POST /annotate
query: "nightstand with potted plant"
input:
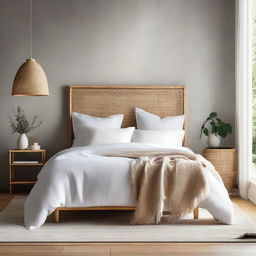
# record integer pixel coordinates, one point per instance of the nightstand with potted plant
(223, 159)
(24, 156)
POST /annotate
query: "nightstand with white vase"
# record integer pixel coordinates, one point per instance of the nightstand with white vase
(15, 161)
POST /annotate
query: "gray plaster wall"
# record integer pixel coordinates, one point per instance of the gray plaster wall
(118, 42)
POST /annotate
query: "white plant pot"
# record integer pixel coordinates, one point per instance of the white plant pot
(213, 140)
(22, 142)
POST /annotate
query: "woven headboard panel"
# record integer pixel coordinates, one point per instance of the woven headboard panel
(103, 101)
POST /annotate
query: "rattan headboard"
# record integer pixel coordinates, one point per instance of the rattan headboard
(103, 101)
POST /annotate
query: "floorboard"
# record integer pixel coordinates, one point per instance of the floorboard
(127, 249)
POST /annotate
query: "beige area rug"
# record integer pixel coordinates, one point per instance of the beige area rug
(112, 226)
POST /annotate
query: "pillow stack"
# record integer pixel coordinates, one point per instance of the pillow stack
(152, 129)
(90, 130)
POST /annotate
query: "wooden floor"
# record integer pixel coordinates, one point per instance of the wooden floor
(129, 249)
(125, 249)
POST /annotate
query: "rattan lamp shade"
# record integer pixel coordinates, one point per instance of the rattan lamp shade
(30, 80)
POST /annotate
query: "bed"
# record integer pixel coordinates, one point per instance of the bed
(102, 101)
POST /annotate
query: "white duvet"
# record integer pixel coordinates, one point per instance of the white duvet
(81, 177)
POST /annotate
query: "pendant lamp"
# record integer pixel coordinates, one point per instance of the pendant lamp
(30, 79)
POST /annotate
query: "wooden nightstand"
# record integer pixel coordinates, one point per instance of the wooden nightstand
(26, 163)
(225, 162)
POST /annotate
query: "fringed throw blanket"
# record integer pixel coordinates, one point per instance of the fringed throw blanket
(176, 180)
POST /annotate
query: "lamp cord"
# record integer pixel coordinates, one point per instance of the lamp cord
(30, 26)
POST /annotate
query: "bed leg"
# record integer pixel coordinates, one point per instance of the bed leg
(196, 213)
(57, 216)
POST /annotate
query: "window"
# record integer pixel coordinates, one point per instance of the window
(253, 58)
(245, 88)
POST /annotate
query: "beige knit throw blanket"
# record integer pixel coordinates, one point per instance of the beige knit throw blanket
(174, 179)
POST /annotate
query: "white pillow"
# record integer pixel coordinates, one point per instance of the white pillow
(105, 136)
(169, 138)
(80, 121)
(148, 121)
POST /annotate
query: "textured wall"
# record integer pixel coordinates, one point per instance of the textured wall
(116, 42)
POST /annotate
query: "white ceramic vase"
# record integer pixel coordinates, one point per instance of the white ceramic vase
(22, 142)
(213, 140)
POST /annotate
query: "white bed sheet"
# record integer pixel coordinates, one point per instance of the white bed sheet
(81, 177)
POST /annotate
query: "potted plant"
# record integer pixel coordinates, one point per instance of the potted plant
(22, 125)
(218, 130)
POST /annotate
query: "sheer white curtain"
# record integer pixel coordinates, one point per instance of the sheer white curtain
(243, 94)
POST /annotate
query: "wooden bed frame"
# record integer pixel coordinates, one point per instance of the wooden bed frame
(103, 101)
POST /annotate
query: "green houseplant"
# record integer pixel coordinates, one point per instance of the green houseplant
(22, 125)
(218, 129)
